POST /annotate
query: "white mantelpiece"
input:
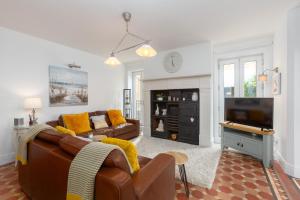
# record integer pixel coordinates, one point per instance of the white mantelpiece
(202, 82)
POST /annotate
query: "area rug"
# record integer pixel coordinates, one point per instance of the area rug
(202, 162)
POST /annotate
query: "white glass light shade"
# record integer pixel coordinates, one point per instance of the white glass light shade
(263, 77)
(112, 60)
(146, 51)
(31, 103)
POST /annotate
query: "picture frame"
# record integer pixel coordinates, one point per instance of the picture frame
(67, 87)
(276, 84)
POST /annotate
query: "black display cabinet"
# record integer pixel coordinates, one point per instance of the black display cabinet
(178, 111)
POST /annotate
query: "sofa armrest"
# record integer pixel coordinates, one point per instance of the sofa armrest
(133, 121)
(53, 123)
(113, 183)
(156, 180)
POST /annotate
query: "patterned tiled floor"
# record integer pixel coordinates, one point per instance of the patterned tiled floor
(238, 177)
(296, 182)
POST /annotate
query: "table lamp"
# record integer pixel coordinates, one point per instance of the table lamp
(33, 103)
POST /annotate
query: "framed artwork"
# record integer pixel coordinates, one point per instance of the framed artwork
(276, 84)
(67, 87)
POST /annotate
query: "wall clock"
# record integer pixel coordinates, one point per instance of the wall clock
(173, 62)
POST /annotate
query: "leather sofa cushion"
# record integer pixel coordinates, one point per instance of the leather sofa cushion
(104, 131)
(50, 136)
(73, 145)
(143, 161)
(124, 129)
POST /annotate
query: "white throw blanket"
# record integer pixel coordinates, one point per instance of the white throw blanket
(21, 154)
(84, 167)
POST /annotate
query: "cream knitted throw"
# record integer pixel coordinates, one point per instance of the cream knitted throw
(21, 154)
(84, 167)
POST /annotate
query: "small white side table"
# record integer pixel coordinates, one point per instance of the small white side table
(19, 130)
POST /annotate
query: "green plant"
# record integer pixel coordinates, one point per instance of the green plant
(250, 87)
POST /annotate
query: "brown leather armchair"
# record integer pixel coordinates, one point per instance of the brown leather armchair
(50, 155)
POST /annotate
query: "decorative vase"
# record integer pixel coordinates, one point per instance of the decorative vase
(164, 112)
(195, 96)
(157, 110)
(160, 127)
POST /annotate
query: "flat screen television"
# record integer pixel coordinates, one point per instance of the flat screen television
(256, 112)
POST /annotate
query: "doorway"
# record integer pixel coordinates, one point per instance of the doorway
(137, 97)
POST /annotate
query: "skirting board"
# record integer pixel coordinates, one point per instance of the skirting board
(290, 169)
(7, 158)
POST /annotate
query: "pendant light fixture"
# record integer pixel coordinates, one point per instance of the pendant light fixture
(144, 48)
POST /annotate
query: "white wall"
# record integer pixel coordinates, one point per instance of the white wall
(196, 61)
(24, 62)
(287, 107)
(194, 73)
(235, 49)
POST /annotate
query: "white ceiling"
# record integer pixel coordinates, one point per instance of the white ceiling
(96, 25)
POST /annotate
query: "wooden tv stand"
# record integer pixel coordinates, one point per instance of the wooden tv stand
(249, 140)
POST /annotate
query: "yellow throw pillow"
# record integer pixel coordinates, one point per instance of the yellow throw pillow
(79, 123)
(64, 130)
(129, 149)
(116, 118)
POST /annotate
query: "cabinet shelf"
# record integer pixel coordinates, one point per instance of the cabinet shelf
(178, 115)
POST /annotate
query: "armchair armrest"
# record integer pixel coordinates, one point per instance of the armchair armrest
(156, 180)
(113, 183)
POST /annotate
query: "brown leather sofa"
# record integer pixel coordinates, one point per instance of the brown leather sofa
(50, 155)
(126, 132)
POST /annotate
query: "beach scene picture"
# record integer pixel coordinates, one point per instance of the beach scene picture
(67, 87)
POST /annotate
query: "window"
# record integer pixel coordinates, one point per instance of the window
(250, 80)
(229, 80)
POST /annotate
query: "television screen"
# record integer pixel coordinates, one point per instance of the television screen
(256, 112)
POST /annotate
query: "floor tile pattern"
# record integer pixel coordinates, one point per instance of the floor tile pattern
(276, 185)
(296, 182)
(238, 177)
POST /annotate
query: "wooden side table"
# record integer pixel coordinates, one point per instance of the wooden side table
(180, 160)
(19, 130)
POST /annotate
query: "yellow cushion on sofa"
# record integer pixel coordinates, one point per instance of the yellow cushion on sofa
(79, 123)
(129, 150)
(64, 130)
(116, 118)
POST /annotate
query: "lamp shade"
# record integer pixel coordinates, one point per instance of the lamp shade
(146, 51)
(31, 103)
(112, 60)
(262, 77)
